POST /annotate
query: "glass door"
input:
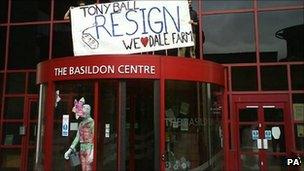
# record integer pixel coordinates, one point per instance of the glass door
(127, 125)
(19, 134)
(261, 142)
(141, 136)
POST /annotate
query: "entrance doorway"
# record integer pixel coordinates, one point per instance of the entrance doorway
(261, 124)
(19, 133)
(129, 137)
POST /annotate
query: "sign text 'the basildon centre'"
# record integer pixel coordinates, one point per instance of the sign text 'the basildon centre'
(130, 27)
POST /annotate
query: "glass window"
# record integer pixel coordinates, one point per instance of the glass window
(2, 47)
(10, 109)
(30, 10)
(226, 5)
(297, 77)
(298, 115)
(229, 38)
(281, 36)
(11, 160)
(181, 109)
(32, 87)
(273, 115)
(62, 41)
(15, 83)
(191, 121)
(274, 78)
(279, 3)
(3, 11)
(28, 46)
(298, 107)
(244, 78)
(248, 115)
(33, 110)
(299, 135)
(11, 134)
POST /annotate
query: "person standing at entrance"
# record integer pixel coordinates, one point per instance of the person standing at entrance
(84, 136)
(194, 23)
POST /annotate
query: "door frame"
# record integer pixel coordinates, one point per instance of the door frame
(25, 147)
(262, 99)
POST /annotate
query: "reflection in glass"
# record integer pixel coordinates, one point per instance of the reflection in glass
(250, 162)
(247, 142)
(190, 120)
(279, 3)
(11, 160)
(281, 35)
(226, 5)
(229, 38)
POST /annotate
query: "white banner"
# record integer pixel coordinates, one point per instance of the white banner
(131, 27)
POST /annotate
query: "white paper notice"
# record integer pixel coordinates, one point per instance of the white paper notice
(65, 125)
(259, 143)
(265, 143)
(107, 130)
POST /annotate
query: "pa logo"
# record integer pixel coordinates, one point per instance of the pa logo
(293, 161)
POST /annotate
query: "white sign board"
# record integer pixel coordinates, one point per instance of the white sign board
(131, 27)
(65, 125)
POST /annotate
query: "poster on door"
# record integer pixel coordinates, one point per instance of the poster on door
(130, 27)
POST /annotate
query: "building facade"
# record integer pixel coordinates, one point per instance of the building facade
(259, 43)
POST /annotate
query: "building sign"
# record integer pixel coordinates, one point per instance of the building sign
(104, 69)
(130, 27)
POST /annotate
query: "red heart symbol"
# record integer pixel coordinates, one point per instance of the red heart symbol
(144, 41)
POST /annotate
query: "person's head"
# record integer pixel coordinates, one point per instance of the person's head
(81, 109)
(190, 3)
(81, 2)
